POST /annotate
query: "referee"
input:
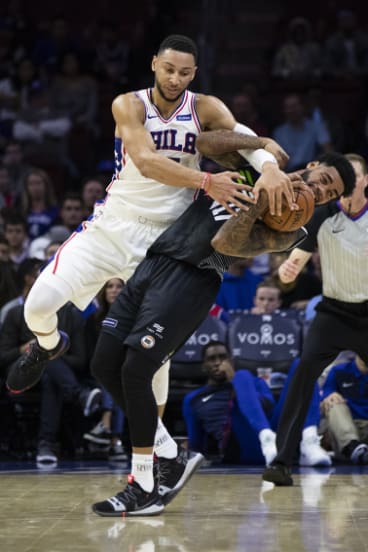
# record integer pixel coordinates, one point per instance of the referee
(340, 231)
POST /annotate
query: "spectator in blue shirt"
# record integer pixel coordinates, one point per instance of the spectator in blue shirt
(345, 406)
(232, 418)
(238, 287)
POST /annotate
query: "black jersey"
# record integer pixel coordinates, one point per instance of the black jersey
(188, 239)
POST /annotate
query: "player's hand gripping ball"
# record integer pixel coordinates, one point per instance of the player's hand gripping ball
(292, 220)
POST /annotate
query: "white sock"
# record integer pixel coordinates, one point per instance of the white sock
(164, 444)
(142, 470)
(266, 434)
(49, 342)
(310, 431)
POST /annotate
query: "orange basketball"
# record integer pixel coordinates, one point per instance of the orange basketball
(292, 220)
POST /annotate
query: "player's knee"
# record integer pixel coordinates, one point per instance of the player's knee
(137, 372)
(37, 307)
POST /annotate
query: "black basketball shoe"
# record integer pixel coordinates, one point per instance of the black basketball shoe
(132, 501)
(28, 369)
(279, 474)
(174, 473)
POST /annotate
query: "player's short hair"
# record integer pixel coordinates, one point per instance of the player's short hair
(343, 167)
(180, 43)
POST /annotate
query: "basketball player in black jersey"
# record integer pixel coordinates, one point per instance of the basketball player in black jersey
(168, 296)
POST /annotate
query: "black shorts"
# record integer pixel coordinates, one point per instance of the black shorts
(161, 306)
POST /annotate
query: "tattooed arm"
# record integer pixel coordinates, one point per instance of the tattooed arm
(222, 146)
(246, 236)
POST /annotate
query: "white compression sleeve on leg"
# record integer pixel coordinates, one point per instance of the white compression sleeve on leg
(40, 310)
(160, 384)
(255, 157)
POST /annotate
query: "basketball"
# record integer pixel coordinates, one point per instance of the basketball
(292, 220)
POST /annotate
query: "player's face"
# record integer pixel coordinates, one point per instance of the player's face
(213, 358)
(174, 71)
(325, 182)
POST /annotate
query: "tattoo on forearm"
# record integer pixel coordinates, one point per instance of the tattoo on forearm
(242, 237)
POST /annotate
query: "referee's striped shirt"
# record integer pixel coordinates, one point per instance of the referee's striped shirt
(342, 242)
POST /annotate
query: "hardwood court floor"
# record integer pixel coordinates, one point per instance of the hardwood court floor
(218, 511)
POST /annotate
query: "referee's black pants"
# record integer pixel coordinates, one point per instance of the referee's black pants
(329, 334)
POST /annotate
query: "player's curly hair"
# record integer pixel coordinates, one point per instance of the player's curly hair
(343, 167)
(180, 43)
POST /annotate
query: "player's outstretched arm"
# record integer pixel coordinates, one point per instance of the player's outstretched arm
(218, 143)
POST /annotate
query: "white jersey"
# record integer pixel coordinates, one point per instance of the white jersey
(175, 138)
(136, 210)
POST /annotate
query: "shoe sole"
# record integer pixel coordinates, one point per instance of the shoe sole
(24, 389)
(19, 391)
(153, 510)
(192, 465)
(46, 459)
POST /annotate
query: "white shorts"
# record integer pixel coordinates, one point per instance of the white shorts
(109, 246)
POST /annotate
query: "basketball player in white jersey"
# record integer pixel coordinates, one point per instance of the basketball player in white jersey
(340, 230)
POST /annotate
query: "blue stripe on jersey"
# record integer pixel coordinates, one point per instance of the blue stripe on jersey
(118, 156)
